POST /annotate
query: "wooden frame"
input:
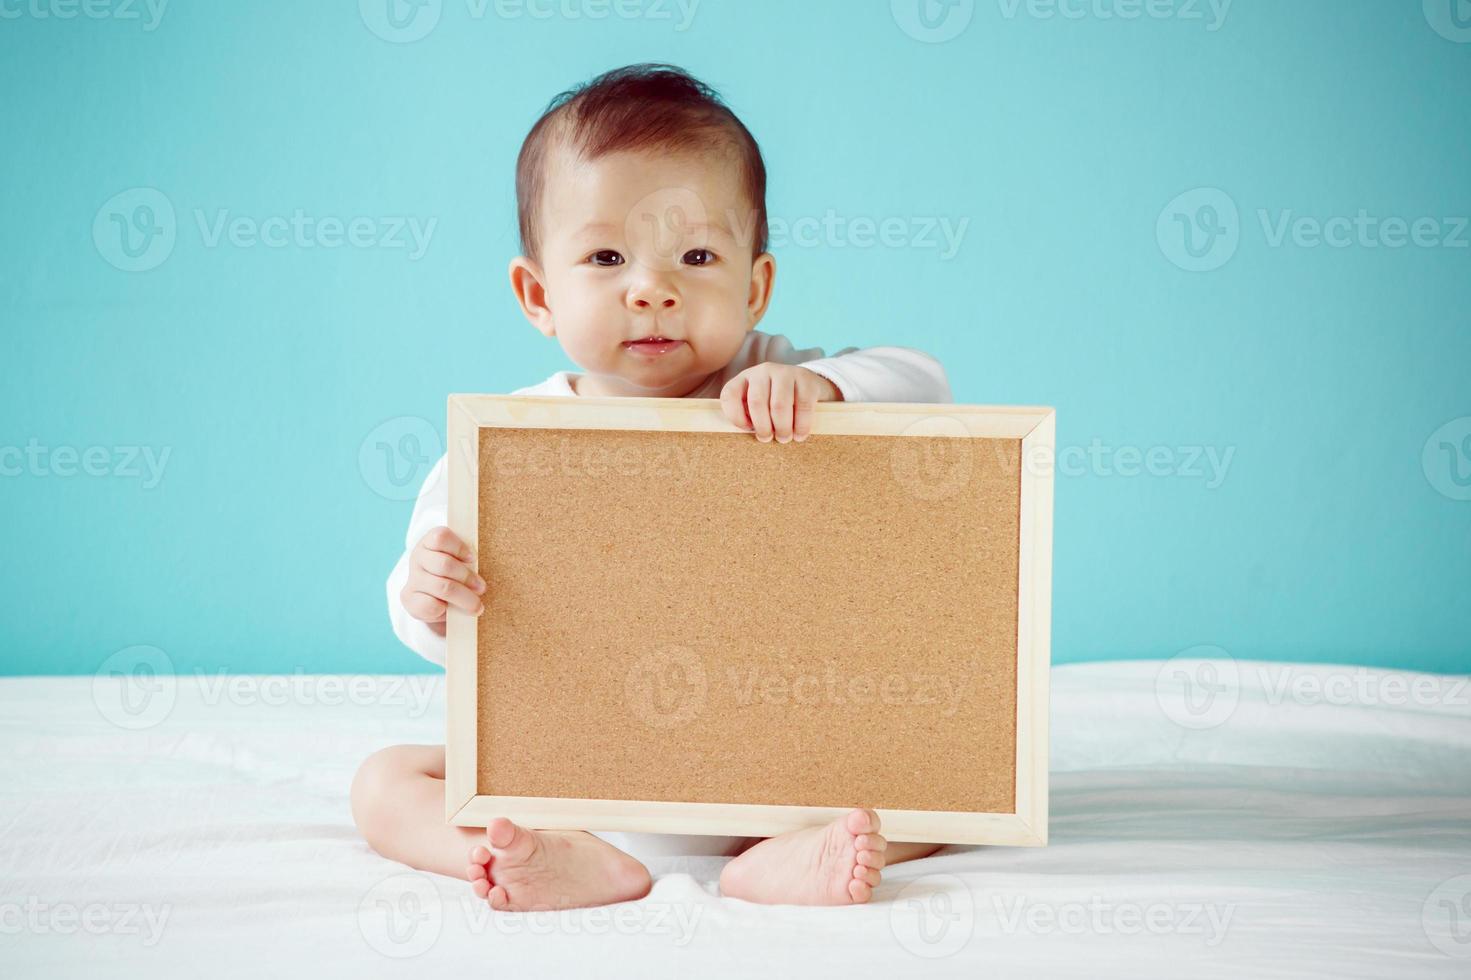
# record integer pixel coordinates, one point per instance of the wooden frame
(1034, 427)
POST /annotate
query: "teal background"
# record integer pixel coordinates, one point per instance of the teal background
(263, 370)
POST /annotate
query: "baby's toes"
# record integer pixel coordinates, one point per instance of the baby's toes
(478, 872)
(870, 859)
(860, 891)
(869, 876)
(862, 821)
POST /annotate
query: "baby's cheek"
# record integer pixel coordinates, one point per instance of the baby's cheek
(588, 337)
(719, 339)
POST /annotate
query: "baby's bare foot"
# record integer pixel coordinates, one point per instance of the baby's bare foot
(526, 870)
(838, 864)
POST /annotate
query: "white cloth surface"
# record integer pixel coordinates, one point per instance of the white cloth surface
(1301, 836)
(877, 374)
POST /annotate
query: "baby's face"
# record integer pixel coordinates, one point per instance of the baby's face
(647, 277)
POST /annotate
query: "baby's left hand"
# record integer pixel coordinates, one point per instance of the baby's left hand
(776, 400)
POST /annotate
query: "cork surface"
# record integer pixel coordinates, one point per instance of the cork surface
(700, 617)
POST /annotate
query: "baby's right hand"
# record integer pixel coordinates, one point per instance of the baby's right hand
(440, 576)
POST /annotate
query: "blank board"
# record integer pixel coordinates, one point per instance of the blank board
(690, 631)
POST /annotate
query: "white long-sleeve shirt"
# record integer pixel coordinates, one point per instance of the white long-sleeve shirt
(877, 374)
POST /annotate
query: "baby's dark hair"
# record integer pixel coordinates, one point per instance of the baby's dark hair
(638, 107)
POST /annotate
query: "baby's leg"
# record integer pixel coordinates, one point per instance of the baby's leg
(398, 805)
(838, 864)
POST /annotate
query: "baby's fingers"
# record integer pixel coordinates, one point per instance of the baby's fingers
(424, 608)
(442, 565)
(806, 406)
(758, 406)
(450, 592)
(445, 541)
(733, 402)
(802, 417)
(783, 397)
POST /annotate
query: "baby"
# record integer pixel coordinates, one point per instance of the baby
(642, 203)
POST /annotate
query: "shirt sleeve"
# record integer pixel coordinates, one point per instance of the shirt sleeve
(875, 374)
(430, 510)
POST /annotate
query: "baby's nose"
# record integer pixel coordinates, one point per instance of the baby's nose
(650, 295)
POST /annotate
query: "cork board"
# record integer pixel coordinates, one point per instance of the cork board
(688, 630)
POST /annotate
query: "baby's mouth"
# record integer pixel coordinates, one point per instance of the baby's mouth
(652, 346)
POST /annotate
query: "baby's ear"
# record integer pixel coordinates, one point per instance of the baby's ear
(531, 293)
(763, 280)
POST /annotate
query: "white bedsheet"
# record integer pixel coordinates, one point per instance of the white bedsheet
(1299, 834)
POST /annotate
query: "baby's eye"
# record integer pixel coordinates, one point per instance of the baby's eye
(699, 256)
(606, 257)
